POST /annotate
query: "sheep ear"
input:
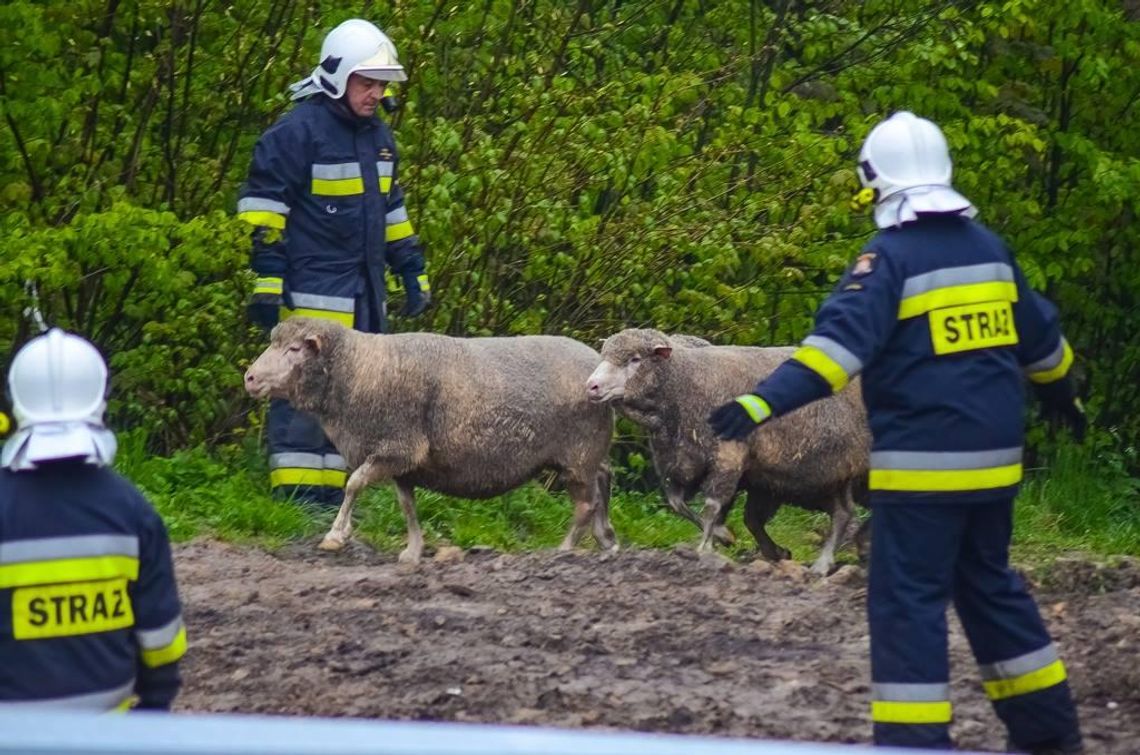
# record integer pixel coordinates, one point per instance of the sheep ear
(314, 343)
(662, 352)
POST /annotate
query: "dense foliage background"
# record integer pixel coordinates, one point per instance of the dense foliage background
(573, 166)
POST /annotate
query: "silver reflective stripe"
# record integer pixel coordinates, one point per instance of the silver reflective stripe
(850, 363)
(910, 693)
(1000, 457)
(295, 460)
(80, 546)
(1021, 665)
(334, 461)
(956, 276)
(155, 639)
(94, 701)
(255, 204)
(385, 168)
(319, 301)
(1049, 362)
(336, 171)
(398, 215)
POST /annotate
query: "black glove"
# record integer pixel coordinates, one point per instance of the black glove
(417, 295)
(264, 309)
(1059, 406)
(739, 417)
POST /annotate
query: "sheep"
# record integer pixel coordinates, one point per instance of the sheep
(468, 417)
(815, 458)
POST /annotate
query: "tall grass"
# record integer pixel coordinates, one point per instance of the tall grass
(1081, 500)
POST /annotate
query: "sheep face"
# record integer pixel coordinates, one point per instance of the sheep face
(629, 360)
(289, 360)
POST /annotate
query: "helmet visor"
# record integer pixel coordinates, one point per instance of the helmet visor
(381, 67)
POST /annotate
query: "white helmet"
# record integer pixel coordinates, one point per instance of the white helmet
(905, 161)
(356, 46)
(58, 386)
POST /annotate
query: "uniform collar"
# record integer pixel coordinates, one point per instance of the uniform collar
(342, 113)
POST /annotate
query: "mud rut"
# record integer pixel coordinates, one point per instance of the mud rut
(647, 640)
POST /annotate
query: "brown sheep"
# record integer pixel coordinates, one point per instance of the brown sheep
(815, 458)
(468, 417)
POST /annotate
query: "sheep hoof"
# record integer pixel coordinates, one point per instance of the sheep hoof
(724, 535)
(408, 556)
(820, 569)
(331, 543)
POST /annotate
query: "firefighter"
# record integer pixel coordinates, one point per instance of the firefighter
(89, 611)
(939, 321)
(329, 220)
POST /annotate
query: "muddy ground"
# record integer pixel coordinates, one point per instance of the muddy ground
(649, 640)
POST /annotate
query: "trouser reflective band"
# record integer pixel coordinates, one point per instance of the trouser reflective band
(295, 468)
(1027, 673)
(927, 471)
(107, 700)
(894, 703)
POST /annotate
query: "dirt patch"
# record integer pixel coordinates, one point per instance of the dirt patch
(646, 640)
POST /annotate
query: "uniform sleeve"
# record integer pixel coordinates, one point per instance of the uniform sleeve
(405, 257)
(1043, 352)
(159, 631)
(265, 202)
(851, 328)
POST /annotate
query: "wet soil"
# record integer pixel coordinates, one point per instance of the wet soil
(658, 641)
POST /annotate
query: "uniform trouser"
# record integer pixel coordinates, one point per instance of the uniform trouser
(303, 463)
(923, 555)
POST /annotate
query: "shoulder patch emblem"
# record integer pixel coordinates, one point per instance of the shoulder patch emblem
(864, 265)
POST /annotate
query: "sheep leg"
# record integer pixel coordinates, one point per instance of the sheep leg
(603, 530)
(388, 462)
(361, 477)
(405, 493)
(583, 494)
(758, 511)
(719, 490)
(675, 498)
(842, 514)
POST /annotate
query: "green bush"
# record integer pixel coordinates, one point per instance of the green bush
(164, 298)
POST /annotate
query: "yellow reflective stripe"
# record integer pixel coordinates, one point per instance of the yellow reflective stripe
(88, 569)
(950, 296)
(344, 318)
(338, 187)
(398, 231)
(331, 478)
(820, 363)
(756, 407)
(423, 281)
(169, 654)
(264, 217)
(385, 184)
(268, 286)
(124, 706)
(897, 712)
(1034, 681)
(1058, 372)
(929, 480)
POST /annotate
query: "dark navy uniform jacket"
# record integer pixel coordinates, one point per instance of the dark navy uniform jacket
(329, 215)
(938, 319)
(89, 611)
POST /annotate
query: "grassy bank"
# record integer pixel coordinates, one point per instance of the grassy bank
(1080, 501)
